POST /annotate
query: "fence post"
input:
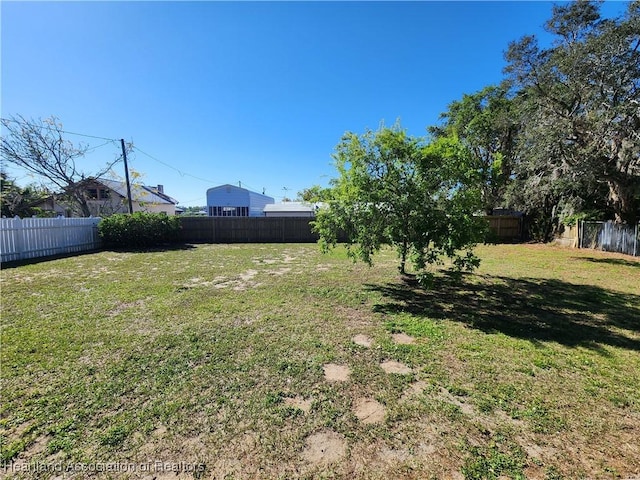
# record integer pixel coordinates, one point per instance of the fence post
(635, 241)
(580, 233)
(19, 236)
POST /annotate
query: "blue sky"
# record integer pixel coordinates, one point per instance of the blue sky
(252, 92)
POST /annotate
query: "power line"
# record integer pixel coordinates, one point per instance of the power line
(91, 149)
(182, 174)
(65, 131)
(185, 174)
(114, 141)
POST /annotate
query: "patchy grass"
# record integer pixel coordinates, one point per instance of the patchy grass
(211, 360)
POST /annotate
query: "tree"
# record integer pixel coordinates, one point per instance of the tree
(485, 125)
(315, 193)
(19, 201)
(39, 147)
(194, 211)
(580, 104)
(393, 189)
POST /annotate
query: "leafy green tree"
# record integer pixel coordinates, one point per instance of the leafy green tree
(315, 193)
(580, 112)
(393, 189)
(484, 124)
(20, 201)
(191, 211)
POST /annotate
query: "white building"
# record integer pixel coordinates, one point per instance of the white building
(291, 209)
(230, 201)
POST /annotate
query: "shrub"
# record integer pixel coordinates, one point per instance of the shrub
(139, 230)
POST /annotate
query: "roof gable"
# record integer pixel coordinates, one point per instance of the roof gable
(139, 193)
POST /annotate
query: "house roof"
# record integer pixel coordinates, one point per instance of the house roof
(139, 193)
(229, 187)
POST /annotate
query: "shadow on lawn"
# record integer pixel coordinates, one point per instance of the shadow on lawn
(532, 309)
(611, 261)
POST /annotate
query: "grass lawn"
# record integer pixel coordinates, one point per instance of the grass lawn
(276, 361)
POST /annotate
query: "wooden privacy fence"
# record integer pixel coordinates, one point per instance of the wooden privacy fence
(505, 227)
(247, 230)
(294, 229)
(21, 239)
(610, 237)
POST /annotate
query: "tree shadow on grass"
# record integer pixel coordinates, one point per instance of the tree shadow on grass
(611, 261)
(538, 310)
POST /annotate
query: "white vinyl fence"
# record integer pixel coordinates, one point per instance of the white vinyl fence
(26, 238)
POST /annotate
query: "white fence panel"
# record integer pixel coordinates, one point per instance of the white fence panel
(26, 238)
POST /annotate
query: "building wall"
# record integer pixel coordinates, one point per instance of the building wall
(257, 204)
(117, 204)
(290, 214)
(167, 208)
(230, 196)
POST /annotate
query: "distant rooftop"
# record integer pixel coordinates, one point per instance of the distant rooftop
(291, 207)
(140, 193)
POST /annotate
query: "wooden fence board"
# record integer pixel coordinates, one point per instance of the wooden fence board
(247, 230)
(294, 229)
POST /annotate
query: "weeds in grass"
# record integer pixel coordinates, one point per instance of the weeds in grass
(500, 457)
(514, 371)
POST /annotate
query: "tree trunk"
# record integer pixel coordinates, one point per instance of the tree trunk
(621, 198)
(403, 257)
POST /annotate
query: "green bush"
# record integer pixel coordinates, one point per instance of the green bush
(139, 230)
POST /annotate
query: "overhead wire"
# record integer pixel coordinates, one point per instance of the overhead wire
(185, 174)
(135, 148)
(91, 149)
(182, 174)
(65, 131)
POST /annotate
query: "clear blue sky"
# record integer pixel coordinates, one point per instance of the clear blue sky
(251, 92)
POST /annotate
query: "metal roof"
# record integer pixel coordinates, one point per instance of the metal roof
(291, 207)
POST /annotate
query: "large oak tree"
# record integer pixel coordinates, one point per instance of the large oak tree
(580, 105)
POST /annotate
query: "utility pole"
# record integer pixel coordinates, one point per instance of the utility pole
(126, 175)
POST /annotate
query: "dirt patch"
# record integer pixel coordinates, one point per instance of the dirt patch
(121, 307)
(38, 446)
(336, 373)
(279, 272)
(244, 282)
(391, 366)
(393, 456)
(414, 390)
(363, 341)
(403, 339)
(369, 411)
(248, 275)
(324, 447)
(357, 319)
(465, 408)
(160, 431)
(299, 403)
